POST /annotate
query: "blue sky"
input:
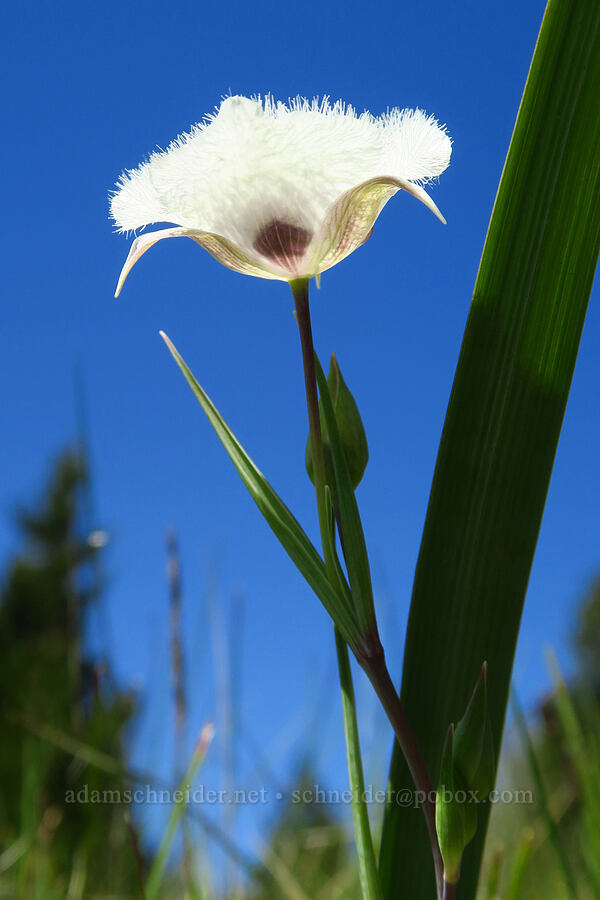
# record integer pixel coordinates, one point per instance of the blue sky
(89, 90)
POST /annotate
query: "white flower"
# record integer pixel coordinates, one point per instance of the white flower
(280, 191)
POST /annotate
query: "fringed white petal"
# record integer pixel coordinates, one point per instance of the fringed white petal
(261, 176)
(136, 203)
(416, 147)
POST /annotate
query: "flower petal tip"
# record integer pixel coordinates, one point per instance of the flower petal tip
(421, 194)
(143, 243)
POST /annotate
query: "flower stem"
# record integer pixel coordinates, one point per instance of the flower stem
(374, 664)
(300, 293)
(376, 669)
(449, 891)
(369, 877)
(379, 676)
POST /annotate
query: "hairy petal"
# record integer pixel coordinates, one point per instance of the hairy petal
(350, 220)
(222, 249)
(280, 190)
(416, 147)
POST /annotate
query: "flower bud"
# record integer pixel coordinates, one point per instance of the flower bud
(485, 775)
(473, 742)
(455, 814)
(350, 427)
(469, 734)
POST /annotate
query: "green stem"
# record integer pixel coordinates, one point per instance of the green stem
(369, 878)
(376, 669)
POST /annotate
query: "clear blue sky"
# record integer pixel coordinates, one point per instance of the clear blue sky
(89, 90)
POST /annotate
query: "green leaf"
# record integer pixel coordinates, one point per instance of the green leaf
(504, 419)
(285, 527)
(367, 865)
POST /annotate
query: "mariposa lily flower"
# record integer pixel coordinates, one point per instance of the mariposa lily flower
(280, 191)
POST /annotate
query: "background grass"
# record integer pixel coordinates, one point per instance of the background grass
(62, 735)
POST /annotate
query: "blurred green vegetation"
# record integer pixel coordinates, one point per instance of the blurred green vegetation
(48, 679)
(551, 847)
(67, 725)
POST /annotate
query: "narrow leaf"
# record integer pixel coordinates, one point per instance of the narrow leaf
(160, 861)
(367, 865)
(515, 884)
(285, 527)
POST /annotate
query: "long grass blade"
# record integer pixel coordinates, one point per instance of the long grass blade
(542, 799)
(493, 875)
(504, 419)
(515, 883)
(110, 764)
(582, 747)
(286, 881)
(159, 865)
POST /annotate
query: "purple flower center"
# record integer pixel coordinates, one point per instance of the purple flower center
(282, 242)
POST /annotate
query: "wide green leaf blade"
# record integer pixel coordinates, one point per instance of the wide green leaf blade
(503, 420)
(285, 527)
